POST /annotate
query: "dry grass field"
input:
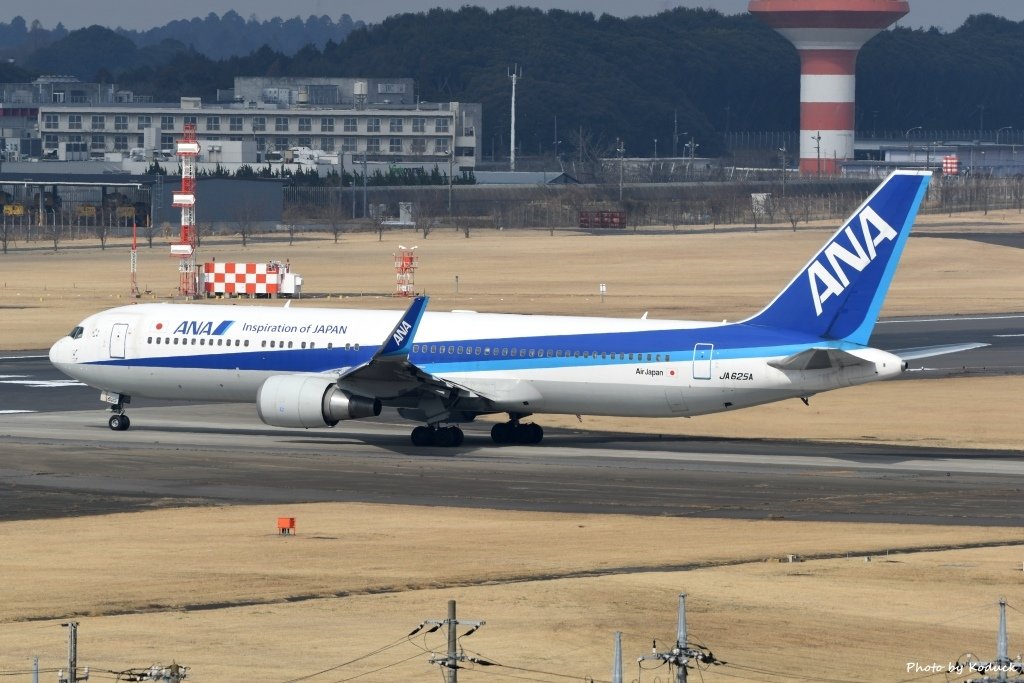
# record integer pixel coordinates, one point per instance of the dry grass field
(218, 590)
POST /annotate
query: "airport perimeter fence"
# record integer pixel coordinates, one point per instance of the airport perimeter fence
(646, 205)
(689, 206)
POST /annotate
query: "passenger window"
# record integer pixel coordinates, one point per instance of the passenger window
(667, 358)
(460, 350)
(658, 357)
(273, 344)
(433, 348)
(451, 349)
(303, 344)
(246, 342)
(531, 353)
(355, 347)
(415, 348)
(330, 345)
(149, 340)
(558, 353)
(158, 340)
(648, 358)
(312, 345)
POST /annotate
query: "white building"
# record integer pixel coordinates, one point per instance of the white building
(356, 117)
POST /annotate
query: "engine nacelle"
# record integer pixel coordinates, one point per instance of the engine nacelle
(304, 401)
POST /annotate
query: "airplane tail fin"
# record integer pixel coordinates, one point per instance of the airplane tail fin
(839, 293)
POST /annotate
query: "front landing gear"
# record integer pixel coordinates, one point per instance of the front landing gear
(119, 421)
(432, 435)
(515, 432)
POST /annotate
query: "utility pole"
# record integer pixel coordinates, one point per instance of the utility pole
(1001, 667)
(617, 659)
(782, 154)
(72, 673)
(365, 210)
(675, 133)
(621, 149)
(681, 655)
(451, 661)
(817, 147)
(515, 74)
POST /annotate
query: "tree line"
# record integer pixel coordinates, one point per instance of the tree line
(593, 84)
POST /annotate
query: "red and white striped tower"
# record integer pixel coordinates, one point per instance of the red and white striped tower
(185, 248)
(828, 34)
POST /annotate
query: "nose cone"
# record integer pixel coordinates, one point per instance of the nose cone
(60, 353)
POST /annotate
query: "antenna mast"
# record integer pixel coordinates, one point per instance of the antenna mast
(515, 73)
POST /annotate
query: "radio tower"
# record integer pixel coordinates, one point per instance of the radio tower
(828, 34)
(185, 248)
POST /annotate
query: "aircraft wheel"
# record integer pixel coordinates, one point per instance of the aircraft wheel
(536, 433)
(422, 436)
(445, 437)
(119, 422)
(528, 433)
(457, 436)
(501, 432)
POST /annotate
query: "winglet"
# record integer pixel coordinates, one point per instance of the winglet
(399, 342)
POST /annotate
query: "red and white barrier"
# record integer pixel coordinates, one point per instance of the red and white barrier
(242, 278)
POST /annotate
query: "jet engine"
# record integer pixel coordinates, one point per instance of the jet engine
(306, 401)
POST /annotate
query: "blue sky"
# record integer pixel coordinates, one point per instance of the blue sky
(946, 14)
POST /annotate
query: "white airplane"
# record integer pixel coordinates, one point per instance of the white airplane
(316, 367)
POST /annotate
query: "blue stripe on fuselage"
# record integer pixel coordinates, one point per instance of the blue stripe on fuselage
(734, 341)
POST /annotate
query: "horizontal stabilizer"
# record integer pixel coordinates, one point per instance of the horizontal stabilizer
(818, 359)
(929, 351)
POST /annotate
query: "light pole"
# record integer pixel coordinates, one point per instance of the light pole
(782, 154)
(998, 132)
(451, 170)
(817, 148)
(907, 134)
(622, 162)
(655, 148)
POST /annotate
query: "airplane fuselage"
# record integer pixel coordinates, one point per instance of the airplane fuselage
(521, 363)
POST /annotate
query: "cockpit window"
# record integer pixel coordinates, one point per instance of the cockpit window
(77, 332)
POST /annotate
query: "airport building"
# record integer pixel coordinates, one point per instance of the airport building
(259, 120)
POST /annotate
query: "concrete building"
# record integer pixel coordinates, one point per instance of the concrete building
(378, 119)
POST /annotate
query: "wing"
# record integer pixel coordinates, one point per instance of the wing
(390, 376)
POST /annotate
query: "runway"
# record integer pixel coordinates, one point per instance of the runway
(59, 458)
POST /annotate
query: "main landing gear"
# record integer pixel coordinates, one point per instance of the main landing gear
(433, 435)
(119, 421)
(515, 432)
